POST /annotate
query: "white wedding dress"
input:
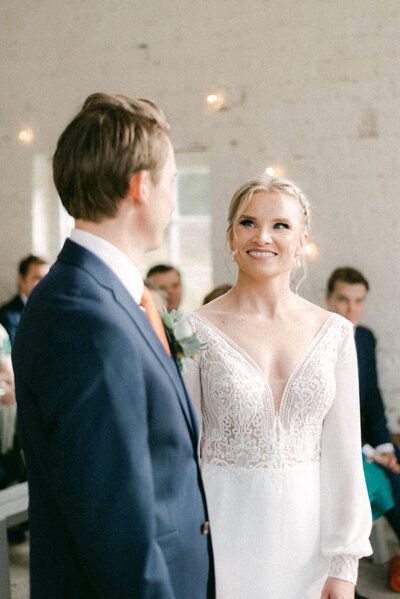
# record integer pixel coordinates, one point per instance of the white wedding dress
(286, 494)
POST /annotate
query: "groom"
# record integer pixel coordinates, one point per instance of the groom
(117, 507)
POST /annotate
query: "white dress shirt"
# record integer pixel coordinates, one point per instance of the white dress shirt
(116, 260)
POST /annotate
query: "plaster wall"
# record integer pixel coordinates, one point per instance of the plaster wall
(312, 87)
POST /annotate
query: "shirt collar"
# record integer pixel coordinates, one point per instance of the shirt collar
(23, 297)
(116, 260)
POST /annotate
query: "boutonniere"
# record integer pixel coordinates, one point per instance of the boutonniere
(185, 342)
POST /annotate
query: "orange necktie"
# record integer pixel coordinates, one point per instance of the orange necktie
(155, 319)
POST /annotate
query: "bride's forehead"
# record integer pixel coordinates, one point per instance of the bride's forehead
(271, 201)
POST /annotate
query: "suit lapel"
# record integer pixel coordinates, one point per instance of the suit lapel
(188, 400)
(73, 253)
(167, 362)
(148, 334)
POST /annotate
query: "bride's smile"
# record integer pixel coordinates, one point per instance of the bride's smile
(261, 254)
(269, 234)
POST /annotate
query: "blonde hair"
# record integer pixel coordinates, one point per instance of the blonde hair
(243, 196)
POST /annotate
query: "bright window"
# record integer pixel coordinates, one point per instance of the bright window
(187, 240)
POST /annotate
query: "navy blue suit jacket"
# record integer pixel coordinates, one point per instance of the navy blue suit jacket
(110, 438)
(10, 313)
(373, 421)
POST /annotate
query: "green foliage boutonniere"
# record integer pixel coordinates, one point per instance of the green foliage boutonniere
(185, 342)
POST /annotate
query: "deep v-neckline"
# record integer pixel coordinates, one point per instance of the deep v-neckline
(302, 359)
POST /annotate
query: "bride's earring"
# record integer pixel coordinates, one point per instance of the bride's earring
(232, 254)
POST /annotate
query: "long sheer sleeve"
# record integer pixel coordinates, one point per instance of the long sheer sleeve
(345, 509)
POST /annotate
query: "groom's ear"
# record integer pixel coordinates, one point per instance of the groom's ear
(139, 187)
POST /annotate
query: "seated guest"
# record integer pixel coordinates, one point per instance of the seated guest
(379, 489)
(380, 495)
(157, 294)
(168, 279)
(346, 294)
(7, 404)
(12, 465)
(30, 271)
(7, 395)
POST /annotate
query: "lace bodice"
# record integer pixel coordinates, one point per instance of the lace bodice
(240, 426)
(317, 423)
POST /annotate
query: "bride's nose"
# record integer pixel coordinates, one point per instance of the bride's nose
(263, 235)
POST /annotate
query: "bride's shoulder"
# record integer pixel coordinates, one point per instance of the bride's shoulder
(210, 316)
(320, 317)
(313, 311)
(214, 310)
(201, 314)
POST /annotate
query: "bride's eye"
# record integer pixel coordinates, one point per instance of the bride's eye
(281, 226)
(246, 222)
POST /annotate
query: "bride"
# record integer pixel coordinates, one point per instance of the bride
(277, 394)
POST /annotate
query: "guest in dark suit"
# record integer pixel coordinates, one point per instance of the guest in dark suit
(346, 295)
(31, 270)
(117, 507)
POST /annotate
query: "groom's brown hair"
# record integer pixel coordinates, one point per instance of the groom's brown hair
(108, 141)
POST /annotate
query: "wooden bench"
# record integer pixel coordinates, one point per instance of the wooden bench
(13, 510)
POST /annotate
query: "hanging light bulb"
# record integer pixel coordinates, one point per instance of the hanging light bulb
(216, 100)
(275, 170)
(312, 250)
(25, 135)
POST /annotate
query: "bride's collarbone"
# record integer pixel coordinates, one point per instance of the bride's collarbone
(276, 347)
(255, 331)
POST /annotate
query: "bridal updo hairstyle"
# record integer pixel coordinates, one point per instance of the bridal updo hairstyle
(242, 198)
(108, 141)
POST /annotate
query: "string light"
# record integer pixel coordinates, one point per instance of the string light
(216, 100)
(275, 170)
(312, 250)
(26, 135)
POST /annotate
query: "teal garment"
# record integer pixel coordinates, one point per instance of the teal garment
(379, 489)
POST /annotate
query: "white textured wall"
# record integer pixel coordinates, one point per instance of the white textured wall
(312, 86)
